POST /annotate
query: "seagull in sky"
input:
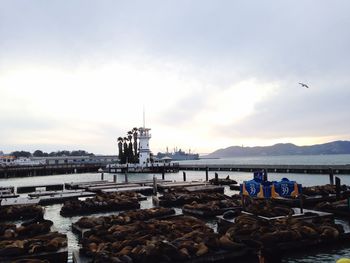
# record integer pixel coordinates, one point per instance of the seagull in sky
(303, 85)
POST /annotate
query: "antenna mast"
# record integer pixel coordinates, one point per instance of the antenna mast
(144, 117)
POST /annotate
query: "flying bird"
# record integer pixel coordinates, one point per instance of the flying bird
(303, 85)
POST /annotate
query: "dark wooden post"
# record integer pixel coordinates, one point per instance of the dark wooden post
(154, 185)
(301, 202)
(163, 172)
(243, 202)
(184, 176)
(331, 176)
(216, 177)
(337, 187)
(206, 174)
(126, 173)
(114, 178)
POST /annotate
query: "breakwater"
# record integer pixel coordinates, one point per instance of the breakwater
(307, 169)
(38, 170)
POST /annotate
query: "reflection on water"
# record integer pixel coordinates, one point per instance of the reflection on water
(63, 224)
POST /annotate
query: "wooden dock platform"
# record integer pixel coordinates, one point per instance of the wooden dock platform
(145, 190)
(52, 257)
(205, 188)
(77, 185)
(44, 193)
(62, 197)
(110, 186)
(19, 201)
(166, 186)
(307, 215)
(34, 188)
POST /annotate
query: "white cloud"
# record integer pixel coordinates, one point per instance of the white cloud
(210, 74)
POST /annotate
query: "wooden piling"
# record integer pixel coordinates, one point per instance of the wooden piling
(114, 178)
(126, 173)
(184, 176)
(301, 203)
(206, 174)
(154, 185)
(331, 176)
(337, 187)
(126, 176)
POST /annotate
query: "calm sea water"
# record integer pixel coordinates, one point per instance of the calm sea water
(284, 159)
(64, 224)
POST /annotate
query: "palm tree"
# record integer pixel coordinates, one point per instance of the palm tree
(130, 153)
(135, 133)
(120, 149)
(125, 148)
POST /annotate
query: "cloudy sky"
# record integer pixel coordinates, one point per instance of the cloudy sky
(210, 74)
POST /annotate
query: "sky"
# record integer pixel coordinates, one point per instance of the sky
(78, 74)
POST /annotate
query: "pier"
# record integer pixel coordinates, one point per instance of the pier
(37, 170)
(275, 168)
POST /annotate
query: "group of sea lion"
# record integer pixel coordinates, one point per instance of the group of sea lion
(341, 205)
(29, 238)
(222, 181)
(176, 198)
(265, 207)
(215, 205)
(124, 217)
(157, 240)
(101, 202)
(17, 212)
(274, 232)
(323, 190)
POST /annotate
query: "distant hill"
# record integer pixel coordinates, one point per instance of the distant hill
(336, 147)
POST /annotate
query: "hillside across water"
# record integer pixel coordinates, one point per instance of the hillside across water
(336, 147)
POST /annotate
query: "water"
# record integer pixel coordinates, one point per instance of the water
(334, 159)
(63, 225)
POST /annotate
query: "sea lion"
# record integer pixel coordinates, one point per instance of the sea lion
(308, 232)
(226, 243)
(202, 249)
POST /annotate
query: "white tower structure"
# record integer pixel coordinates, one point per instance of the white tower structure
(145, 152)
(144, 136)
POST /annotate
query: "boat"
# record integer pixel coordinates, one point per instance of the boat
(178, 155)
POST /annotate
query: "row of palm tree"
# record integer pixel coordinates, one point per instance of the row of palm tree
(127, 146)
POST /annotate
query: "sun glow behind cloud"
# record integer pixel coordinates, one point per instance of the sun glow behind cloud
(81, 103)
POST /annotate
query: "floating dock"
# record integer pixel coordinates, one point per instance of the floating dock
(52, 257)
(205, 189)
(145, 190)
(166, 186)
(208, 213)
(80, 185)
(110, 186)
(19, 201)
(44, 187)
(62, 197)
(307, 215)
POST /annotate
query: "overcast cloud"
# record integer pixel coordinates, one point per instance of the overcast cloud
(211, 74)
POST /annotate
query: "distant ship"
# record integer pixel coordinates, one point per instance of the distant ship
(178, 155)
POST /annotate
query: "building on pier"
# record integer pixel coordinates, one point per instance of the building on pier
(144, 150)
